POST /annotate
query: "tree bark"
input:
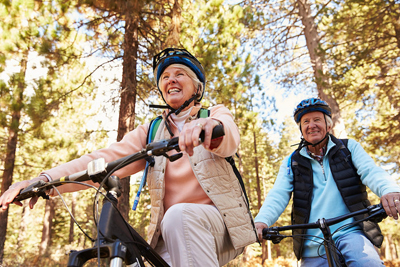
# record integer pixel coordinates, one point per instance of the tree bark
(395, 14)
(11, 148)
(175, 26)
(318, 61)
(257, 172)
(264, 250)
(128, 93)
(71, 221)
(23, 225)
(47, 226)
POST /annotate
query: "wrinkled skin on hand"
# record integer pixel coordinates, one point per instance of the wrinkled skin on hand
(391, 204)
(7, 198)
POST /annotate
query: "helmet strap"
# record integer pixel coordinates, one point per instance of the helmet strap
(175, 111)
(304, 143)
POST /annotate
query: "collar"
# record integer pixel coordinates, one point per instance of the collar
(319, 157)
(328, 147)
(189, 114)
(194, 110)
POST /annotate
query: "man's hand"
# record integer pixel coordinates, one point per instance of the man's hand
(259, 227)
(391, 204)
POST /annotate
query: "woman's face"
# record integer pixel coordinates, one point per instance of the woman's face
(176, 86)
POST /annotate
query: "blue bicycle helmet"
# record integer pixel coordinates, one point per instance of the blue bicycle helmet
(310, 105)
(171, 56)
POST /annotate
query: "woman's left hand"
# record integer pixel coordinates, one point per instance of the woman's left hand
(189, 136)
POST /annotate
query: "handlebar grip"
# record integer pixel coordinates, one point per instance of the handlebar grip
(265, 233)
(32, 191)
(217, 132)
(273, 235)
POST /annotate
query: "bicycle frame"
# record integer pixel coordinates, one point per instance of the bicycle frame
(376, 213)
(332, 258)
(117, 241)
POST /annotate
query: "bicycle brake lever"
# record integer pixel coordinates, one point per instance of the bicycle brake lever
(275, 238)
(377, 213)
(272, 235)
(160, 148)
(35, 189)
(174, 157)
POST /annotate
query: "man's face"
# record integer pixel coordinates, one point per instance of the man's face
(313, 126)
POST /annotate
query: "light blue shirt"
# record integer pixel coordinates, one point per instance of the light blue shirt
(326, 199)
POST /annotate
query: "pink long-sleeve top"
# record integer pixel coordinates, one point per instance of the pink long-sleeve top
(181, 185)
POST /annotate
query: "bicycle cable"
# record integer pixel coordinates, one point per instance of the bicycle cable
(95, 209)
(69, 211)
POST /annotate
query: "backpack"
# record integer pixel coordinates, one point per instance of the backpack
(154, 124)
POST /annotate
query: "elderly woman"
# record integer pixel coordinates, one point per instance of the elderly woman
(199, 214)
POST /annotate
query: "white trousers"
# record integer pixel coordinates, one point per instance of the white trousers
(195, 235)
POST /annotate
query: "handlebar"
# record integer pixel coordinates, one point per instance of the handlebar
(376, 213)
(97, 169)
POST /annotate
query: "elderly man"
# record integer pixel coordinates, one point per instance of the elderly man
(328, 178)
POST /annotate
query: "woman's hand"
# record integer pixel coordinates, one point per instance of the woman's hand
(189, 136)
(14, 190)
(259, 227)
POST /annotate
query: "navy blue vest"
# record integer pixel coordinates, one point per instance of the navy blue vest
(348, 182)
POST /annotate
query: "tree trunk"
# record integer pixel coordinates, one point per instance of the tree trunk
(387, 248)
(277, 248)
(264, 252)
(175, 26)
(126, 121)
(318, 61)
(47, 226)
(71, 221)
(246, 185)
(257, 172)
(392, 247)
(23, 225)
(395, 14)
(11, 148)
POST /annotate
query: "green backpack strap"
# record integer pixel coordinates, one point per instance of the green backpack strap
(154, 124)
(203, 113)
(149, 160)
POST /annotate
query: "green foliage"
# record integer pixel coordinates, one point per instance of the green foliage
(364, 48)
(233, 42)
(40, 84)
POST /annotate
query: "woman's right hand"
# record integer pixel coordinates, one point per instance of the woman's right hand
(14, 190)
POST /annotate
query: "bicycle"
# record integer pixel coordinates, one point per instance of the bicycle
(116, 239)
(376, 213)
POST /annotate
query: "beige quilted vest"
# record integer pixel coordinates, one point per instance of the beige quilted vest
(218, 180)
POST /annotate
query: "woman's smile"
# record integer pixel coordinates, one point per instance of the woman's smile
(176, 86)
